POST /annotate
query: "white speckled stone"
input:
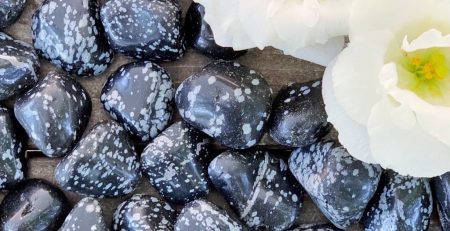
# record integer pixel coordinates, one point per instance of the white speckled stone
(69, 34)
(87, 215)
(103, 164)
(340, 185)
(10, 10)
(139, 96)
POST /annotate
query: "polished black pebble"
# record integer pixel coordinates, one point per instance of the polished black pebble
(339, 185)
(10, 11)
(227, 101)
(176, 163)
(147, 29)
(54, 113)
(144, 212)
(441, 188)
(12, 167)
(199, 35)
(298, 115)
(401, 203)
(139, 96)
(19, 66)
(259, 187)
(315, 227)
(201, 215)
(69, 34)
(87, 215)
(103, 164)
(33, 205)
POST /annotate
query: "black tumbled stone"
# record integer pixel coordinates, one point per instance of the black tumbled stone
(139, 96)
(10, 11)
(87, 215)
(54, 113)
(227, 101)
(441, 188)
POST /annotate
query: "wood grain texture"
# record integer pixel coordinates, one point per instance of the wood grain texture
(278, 69)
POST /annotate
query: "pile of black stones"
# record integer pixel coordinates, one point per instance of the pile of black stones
(225, 109)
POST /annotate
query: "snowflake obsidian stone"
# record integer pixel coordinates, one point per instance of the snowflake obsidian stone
(10, 10)
(139, 96)
(143, 212)
(259, 187)
(148, 29)
(340, 185)
(70, 35)
(54, 113)
(86, 215)
(19, 66)
(103, 164)
(227, 101)
(176, 163)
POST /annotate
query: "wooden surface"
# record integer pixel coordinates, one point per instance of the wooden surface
(277, 68)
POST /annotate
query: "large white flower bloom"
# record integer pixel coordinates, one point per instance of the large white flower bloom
(388, 92)
(313, 30)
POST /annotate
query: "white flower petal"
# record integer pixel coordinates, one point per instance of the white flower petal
(296, 27)
(429, 39)
(433, 119)
(408, 151)
(321, 54)
(355, 75)
(353, 136)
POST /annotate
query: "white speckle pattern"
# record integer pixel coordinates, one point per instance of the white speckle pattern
(103, 164)
(139, 96)
(86, 215)
(322, 169)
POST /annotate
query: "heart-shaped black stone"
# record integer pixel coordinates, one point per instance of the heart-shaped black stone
(143, 212)
(10, 10)
(401, 203)
(176, 163)
(259, 187)
(148, 29)
(139, 96)
(12, 169)
(33, 205)
(19, 66)
(69, 34)
(441, 188)
(298, 115)
(227, 101)
(103, 164)
(86, 215)
(340, 185)
(199, 35)
(201, 215)
(54, 113)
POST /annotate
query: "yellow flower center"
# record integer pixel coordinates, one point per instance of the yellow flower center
(426, 72)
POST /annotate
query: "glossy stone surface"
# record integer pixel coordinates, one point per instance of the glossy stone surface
(147, 29)
(227, 101)
(54, 113)
(143, 212)
(201, 215)
(12, 169)
(298, 115)
(259, 187)
(10, 10)
(139, 96)
(103, 164)
(339, 185)
(33, 205)
(199, 35)
(86, 215)
(441, 188)
(69, 34)
(176, 163)
(19, 66)
(401, 203)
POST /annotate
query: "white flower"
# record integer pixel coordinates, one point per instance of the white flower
(388, 92)
(313, 30)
